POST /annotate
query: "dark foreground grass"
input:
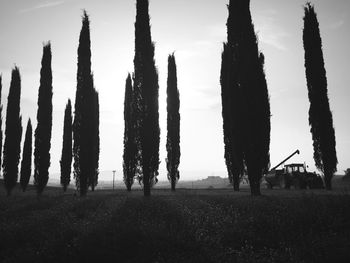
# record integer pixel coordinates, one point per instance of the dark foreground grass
(187, 226)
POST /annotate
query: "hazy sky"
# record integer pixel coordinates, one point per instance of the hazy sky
(195, 30)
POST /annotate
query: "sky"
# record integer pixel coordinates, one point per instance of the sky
(195, 30)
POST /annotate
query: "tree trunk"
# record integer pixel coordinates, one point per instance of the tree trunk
(254, 181)
(146, 188)
(328, 181)
(255, 188)
(236, 184)
(173, 184)
(146, 183)
(128, 187)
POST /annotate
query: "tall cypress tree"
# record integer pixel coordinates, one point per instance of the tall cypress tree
(93, 180)
(173, 124)
(130, 146)
(146, 85)
(83, 125)
(13, 133)
(243, 80)
(44, 123)
(0, 121)
(26, 163)
(66, 157)
(320, 116)
(231, 114)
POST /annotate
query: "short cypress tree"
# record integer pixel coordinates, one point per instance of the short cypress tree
(146, 89)
(66, 157)
(84, 124)
(249, 101)
(26, 163)
(130, 146)
(320, 115)
(13, 133)
(44, 123)
(173, 124)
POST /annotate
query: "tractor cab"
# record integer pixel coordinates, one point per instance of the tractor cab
(295, 168)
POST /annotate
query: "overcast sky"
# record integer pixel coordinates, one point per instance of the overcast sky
(195, 30)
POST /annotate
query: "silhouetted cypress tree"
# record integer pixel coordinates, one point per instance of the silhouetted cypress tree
(66, 157)
(320, 116)
(173, 124)
(130, 146)
(249, 100)
(44, 123)
(146, 84)
(83, 125)
(13, 133)
(231, 113)
(0, 121)
(92, 182)
(26, 163)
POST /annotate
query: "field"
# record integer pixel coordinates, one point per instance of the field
(186, 226)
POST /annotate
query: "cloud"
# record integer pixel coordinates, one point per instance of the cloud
(41, 6)
(269, 30)
(336, 25)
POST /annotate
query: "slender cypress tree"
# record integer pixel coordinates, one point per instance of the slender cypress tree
(247, 140)
(146, 84)
(26, 163)
(96, 141)
(13, 133)
(0, 121)
(320, 115)
(83, 125)
(173, 124)
(130, 146)
(66, 157)
(231, 113)
(44, 123)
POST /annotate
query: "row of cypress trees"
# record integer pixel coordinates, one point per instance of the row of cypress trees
(13, 131)
(245, 99)
(141, 115)
(245, 111)
(85, 127)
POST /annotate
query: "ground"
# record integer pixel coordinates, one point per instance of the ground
(186, 226)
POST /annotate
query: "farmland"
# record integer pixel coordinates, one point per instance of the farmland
(215, 225)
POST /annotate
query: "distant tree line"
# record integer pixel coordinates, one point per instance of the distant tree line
(245, 112)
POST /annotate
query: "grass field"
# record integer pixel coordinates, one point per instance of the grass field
(186, 226)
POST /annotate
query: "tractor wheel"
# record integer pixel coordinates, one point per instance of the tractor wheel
(282, 182)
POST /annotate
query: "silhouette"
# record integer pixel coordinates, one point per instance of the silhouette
(173, 124)
(320, 116)
(130, 155)
(93, 179)
(232, 113)
(44, 123)
(246, 108)
(66, 157)
(26, 163)
(13, 133)
(85, 120)
(146, 89)
(0, 121)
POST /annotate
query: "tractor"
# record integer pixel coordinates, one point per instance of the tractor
(294, 174)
